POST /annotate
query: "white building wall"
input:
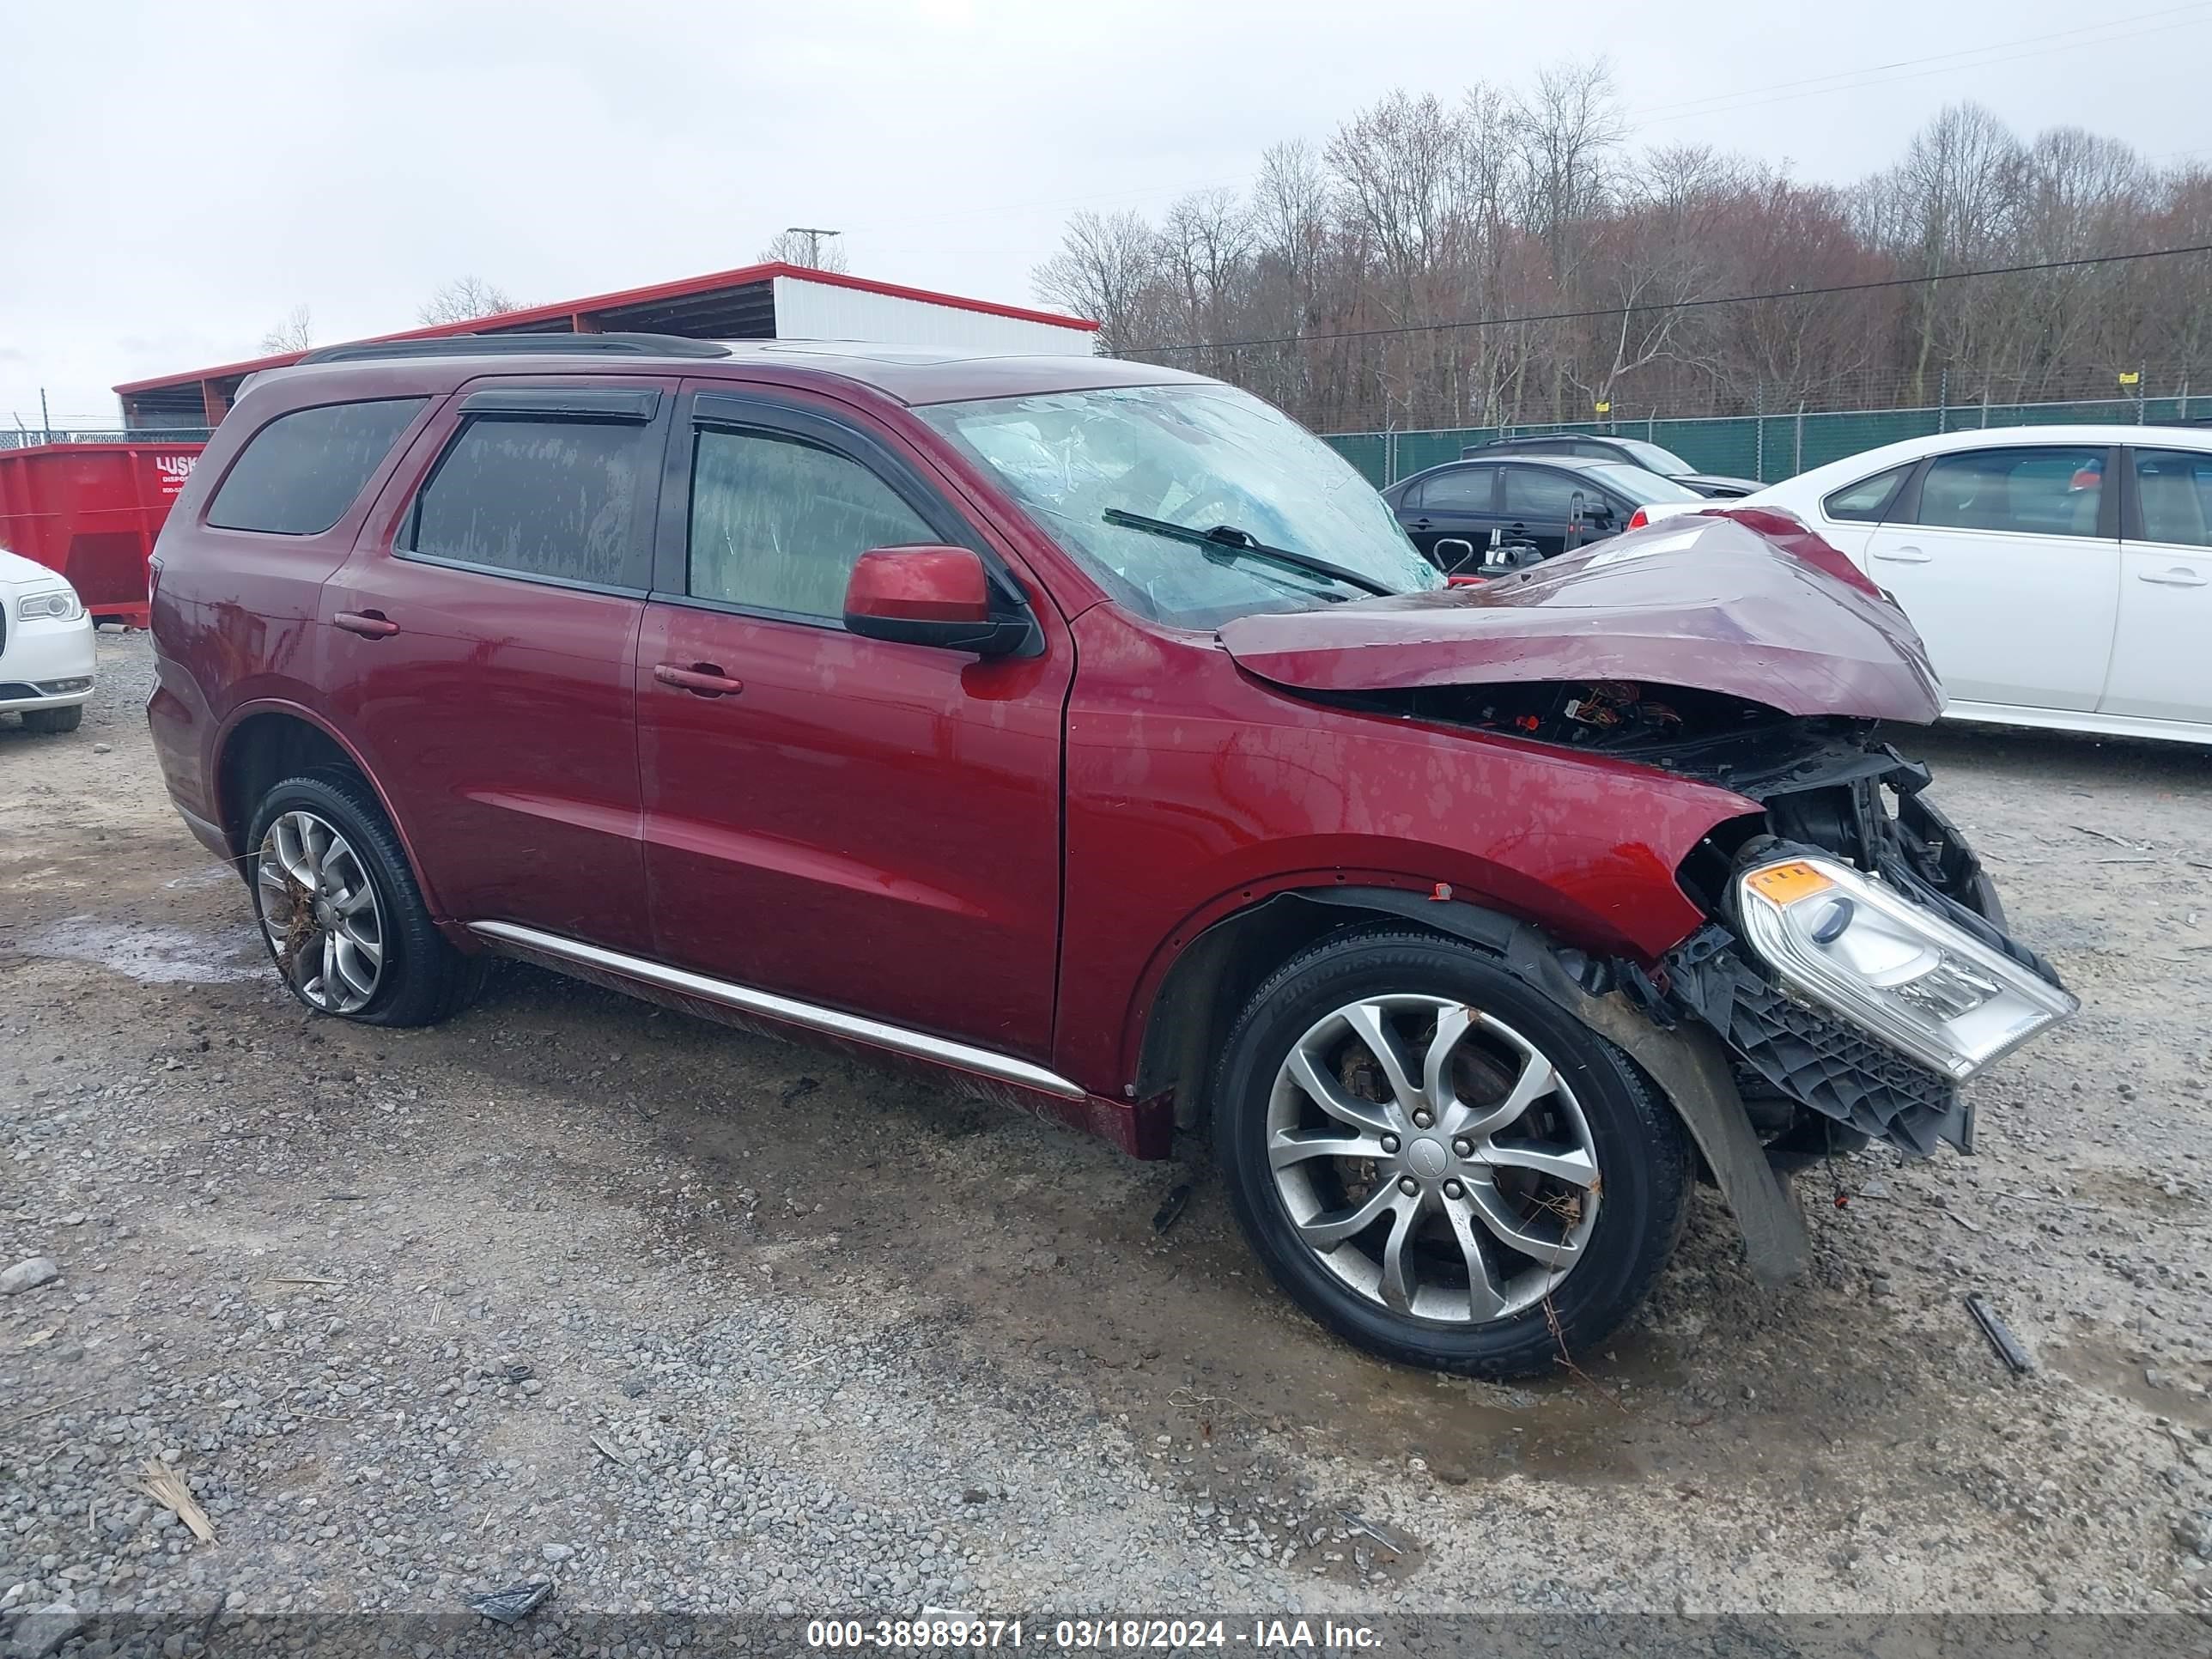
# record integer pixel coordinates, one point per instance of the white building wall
(824, 311)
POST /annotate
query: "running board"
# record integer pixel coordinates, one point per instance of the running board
(767, 1005)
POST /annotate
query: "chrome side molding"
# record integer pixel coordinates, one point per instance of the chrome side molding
(744, 999)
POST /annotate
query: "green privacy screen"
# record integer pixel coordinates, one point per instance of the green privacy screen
(1770, 447)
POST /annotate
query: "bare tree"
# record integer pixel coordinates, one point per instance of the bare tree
(1105, 263)
(1951, 197)
(296, 332)
(796, 247)
(464, 299)
(1205, 239)
(1395, 276)
(1570, 133)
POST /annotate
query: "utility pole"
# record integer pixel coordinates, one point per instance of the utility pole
(813, 241)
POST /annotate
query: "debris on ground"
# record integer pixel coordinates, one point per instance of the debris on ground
(1171, 1208)
(168, 1488)
(510, 1606)
(2000, 1335)
(1362, 1526)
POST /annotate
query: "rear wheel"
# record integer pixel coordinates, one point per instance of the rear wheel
(1441, 1164)
(54, 720)
(340, 912)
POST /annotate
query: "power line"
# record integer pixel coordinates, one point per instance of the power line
(1945, 69)
(1683, 305)
(1812, 87)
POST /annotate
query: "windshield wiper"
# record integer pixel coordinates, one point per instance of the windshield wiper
(1226, 541)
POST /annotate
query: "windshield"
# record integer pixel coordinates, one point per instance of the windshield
(1194, 456)
(1652, 459)
(1641, 487)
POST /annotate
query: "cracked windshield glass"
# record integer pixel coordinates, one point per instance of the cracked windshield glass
(1196, 457)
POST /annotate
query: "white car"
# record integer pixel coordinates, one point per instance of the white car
(46, 647)
(2060, 575)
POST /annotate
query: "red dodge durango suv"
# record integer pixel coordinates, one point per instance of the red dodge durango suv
(1091, 734)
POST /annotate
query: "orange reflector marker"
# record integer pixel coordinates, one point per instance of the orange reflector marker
(1785, 883)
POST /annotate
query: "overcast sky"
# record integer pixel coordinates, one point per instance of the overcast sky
(175, 178)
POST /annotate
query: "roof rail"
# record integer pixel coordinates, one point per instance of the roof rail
(504, 345)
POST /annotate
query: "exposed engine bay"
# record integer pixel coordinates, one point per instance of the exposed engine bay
(1830, 787)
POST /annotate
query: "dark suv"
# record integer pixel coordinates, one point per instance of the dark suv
(1621, 452)
(1092, 736)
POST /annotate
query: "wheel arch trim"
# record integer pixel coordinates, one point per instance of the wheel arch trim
(1687, 1065)
(234, 834)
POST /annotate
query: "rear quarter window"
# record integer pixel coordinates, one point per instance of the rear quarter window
(1867, 500)
(297, 474)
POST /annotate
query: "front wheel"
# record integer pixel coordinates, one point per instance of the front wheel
(1440, 1164)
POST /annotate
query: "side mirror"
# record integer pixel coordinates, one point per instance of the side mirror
(1453, 551)
(939, 596)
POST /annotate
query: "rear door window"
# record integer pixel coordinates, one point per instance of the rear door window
(297, 474)
(1468, 490)
(2053, 491)
(549, 497)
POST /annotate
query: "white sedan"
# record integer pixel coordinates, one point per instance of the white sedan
(2060, 575)
(46, 647)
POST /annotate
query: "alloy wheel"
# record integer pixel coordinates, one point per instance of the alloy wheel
(319, 910)
(1432, 1158)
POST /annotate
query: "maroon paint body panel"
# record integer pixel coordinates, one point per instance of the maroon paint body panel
(1702, 601)
(1193, 791)
(1007, 853)
(870, 826)
(499, 714)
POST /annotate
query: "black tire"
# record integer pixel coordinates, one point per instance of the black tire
(54, 721)
(1643, 1156)
(424, 979)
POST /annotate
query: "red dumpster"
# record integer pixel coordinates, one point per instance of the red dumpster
(91, 511)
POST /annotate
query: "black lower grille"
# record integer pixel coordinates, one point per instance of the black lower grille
(11, 689)
(1811, 1059)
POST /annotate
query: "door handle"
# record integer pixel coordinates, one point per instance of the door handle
(369, 624)
(702, 679)
(1906, 555)
(2179, 576)
(1420, 524)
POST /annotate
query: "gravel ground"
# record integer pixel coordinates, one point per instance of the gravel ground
(574, 1289)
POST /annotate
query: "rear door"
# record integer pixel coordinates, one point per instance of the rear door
(481, 638)
(2159, 670)
(2007, 561)
(1458, 502)
(863, 826)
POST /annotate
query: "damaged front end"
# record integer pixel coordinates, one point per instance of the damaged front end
(1855, 963)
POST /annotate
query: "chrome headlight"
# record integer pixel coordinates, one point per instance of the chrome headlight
(59, 604)
(1858, 949)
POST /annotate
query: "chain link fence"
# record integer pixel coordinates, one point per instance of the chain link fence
(35, 437)
(1767, 448)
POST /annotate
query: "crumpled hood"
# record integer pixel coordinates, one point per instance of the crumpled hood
(1707, 601)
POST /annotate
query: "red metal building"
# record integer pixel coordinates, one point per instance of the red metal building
(92, 510)
(754, 303)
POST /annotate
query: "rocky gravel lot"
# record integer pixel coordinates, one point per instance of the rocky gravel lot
(574, 1290)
